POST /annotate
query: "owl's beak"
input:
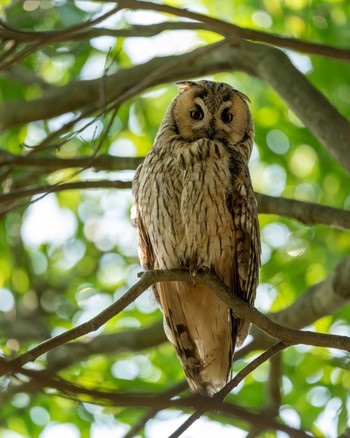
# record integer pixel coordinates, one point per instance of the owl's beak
(211, 133)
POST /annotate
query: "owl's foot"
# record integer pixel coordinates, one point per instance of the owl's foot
(193, 272)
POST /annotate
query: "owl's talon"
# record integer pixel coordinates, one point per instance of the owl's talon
(193, 272)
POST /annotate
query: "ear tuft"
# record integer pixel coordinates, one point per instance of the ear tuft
(185, 85)
(243, 96)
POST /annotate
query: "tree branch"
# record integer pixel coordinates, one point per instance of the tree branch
(324, 298)
(322, 119)
(330, 127)
(111, 343)
(304, 212)
(99, 162)
(97, 184)
(9, 57)
(220, 396)
(170, 392)
(228, 29)
(159, 402)
(204, 22)
(240, 309)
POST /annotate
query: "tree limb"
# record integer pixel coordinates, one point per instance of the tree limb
(304, 212)
(111, 343)
(322, 119)
(240, 309)
(100, 162)
(159, 402)
(220, 396)
(228, 29)
(322, 299)
(327, 124)
(203, 22)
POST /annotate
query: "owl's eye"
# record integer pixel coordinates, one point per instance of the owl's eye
(226, 117)
(197, 114)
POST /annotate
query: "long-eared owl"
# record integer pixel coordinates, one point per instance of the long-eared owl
(195, 209)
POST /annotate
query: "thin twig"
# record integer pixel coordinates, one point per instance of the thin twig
(220, 396)
(45, 39)
(170, 392)
(98, 184)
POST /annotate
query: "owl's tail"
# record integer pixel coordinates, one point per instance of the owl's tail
(200, 327)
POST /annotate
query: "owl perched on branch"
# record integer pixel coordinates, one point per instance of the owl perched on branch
(195, 209)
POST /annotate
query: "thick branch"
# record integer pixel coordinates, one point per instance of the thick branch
(320, 300)
(323, 120)
(332, 129)
(240, 309)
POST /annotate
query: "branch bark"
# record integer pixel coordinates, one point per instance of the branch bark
(304, 212)
(240, 309)
(220, 396)
(320, 300)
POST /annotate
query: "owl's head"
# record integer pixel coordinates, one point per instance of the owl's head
(214, 110)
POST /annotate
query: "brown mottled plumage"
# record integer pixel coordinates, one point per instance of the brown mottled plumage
(195, 209)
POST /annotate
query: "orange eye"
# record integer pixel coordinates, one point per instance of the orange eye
(196, 115)
(226, 117)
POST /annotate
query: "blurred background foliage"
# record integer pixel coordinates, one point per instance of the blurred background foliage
(68, 255)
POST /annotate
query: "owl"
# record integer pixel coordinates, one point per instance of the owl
(195, 209)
